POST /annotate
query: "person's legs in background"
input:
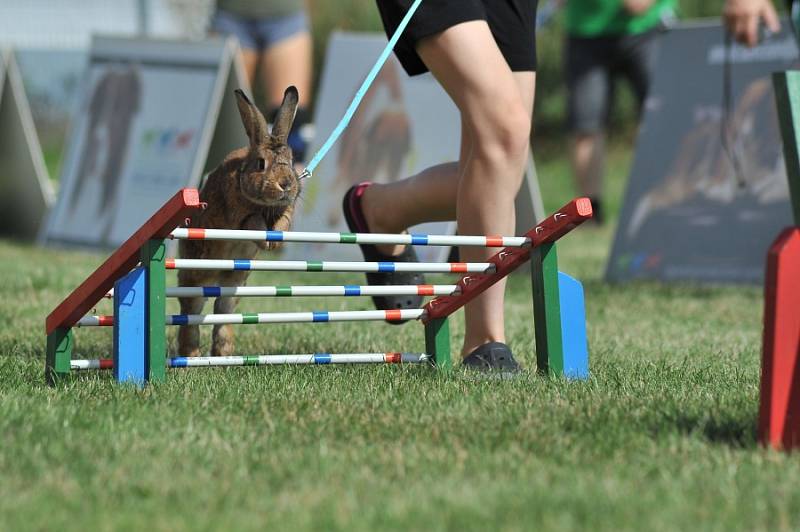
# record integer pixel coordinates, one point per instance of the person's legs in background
(278, 53)
(287, 59)
(635, 60)
(224, 23)
(589, 86)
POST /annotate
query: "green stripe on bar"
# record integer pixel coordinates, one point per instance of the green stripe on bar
(283, 291)
(314, 266)
(250, 360)
(249, 319)
(347, 238)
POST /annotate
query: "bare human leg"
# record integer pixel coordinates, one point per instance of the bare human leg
(250, 62)
(495, 109)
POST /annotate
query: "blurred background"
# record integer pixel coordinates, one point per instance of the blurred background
(67, 25)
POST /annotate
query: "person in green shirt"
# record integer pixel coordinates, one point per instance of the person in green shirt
(276, 42)
(606, 39)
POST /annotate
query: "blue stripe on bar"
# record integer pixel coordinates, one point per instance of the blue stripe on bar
(212, 291)
(180, 319)
(320, 316)
(322, 358)
(274, 236)
(350, 290)
(419, 240)
(178, 362)
(241, 264)
(386, 267)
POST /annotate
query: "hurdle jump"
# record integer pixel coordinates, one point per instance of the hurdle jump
(134, 276)
(779, 411)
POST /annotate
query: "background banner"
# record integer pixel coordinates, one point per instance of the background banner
(708, 189)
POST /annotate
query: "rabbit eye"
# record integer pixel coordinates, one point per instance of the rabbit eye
(261, 164)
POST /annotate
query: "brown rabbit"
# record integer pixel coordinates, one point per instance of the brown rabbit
(254, 188)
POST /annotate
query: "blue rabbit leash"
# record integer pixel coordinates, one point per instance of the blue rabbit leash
(345, 121)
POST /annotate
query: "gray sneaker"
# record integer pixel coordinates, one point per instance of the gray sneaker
(492, 357)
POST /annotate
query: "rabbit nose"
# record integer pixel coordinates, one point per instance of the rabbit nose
(285, 183)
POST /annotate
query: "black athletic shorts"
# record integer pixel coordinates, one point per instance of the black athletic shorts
(592, 64)
(512, 22)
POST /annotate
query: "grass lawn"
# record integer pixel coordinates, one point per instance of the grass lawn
(661, 437)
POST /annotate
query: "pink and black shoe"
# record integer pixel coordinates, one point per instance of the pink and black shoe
(353, 214)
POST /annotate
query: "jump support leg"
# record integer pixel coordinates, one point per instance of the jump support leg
(546, 310)
(153, 255)
(59, 353)
(437, 342)
(779, 415)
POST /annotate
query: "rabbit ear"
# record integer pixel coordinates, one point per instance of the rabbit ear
(253, 120)
(285, 116)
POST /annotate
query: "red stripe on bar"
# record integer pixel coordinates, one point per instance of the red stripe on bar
(494, 241)
(425, 290)
(105, 321)
(393, 358)
(196, 233)
(169, 264)
(458, 267)
(106, 363)
(393, 315)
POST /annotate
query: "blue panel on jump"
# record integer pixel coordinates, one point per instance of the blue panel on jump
(274, 236)
(573, 327)
(419, 240)
(352, 290)
(241, 264)
(212, 291)
(130, 328)
(386, 267)
(320, 317)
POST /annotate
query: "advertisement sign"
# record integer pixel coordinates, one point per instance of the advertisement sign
(25, 190)
(153, 116)
(708, 190)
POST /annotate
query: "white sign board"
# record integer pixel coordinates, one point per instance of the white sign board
(153, 116)
(25, 190)
(403, 126)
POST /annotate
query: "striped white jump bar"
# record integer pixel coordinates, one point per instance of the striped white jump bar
(351, 238)
(273, 317)
(320, 291)
(269, 360)
(328, 266)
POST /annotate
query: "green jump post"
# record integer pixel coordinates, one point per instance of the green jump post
(437, 343)
(59, 353)
(546, 310)
(153, 255)
(787, 98)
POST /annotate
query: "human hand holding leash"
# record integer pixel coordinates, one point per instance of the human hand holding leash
(742, 18)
